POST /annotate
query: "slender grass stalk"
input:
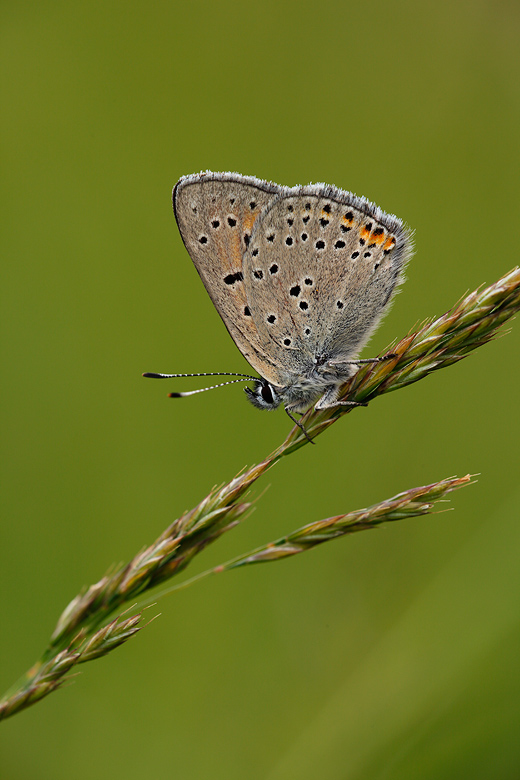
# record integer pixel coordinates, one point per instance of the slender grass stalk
(84, 632)
(411, 503)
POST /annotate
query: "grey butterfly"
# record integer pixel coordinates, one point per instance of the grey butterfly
(301, 277)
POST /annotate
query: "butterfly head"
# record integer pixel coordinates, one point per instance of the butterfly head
(263, 395)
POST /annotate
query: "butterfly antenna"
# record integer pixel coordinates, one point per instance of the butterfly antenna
(212, 387)
(151, 375)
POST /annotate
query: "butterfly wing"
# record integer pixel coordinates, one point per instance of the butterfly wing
(319, 272)
(216, 213)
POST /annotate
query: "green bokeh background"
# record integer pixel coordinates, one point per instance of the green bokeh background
(386, 655)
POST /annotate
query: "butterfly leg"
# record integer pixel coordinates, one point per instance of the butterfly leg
(330, 399)
(300, 426)
(389, 356)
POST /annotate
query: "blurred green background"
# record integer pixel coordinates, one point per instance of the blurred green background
(386, 655)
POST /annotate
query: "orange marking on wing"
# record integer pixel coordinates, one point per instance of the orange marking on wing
(235, 247)
(249, 220)
(222, 251)
(377, 238)
(389, 243)
(347, 221)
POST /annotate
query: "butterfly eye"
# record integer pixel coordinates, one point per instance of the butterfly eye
(263, 396)
(267, 394)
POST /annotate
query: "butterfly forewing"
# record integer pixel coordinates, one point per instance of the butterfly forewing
(216, 214)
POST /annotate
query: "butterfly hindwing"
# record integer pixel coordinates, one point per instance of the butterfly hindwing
(319, 273)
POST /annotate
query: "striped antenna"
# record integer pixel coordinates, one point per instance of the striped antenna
(203, 389)
(151, 375)
(243, 378)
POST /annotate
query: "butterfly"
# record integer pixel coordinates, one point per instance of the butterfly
(301, 277)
